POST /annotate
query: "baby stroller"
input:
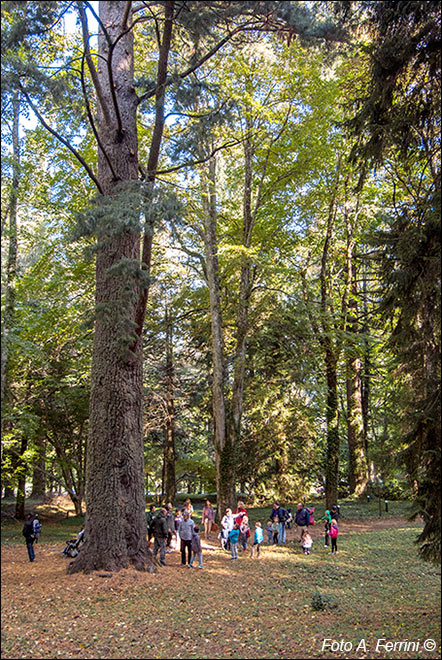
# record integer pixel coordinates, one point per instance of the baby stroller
(72, 546)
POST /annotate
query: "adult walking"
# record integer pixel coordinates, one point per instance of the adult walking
(282, 516)
(160, 531)
(302, 518)
(186, 531)
(28, 533)
(207, 519)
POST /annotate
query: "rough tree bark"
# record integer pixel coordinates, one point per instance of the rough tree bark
(115, 521)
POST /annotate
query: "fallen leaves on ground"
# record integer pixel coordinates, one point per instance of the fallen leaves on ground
(250, 608)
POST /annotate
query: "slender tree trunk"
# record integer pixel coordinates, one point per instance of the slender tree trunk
(224, 464)
(242, 320)
(357, 459)
(331, 352)
(8, 317)
(39, 471)
(332, 416)
(115, 519)
(11, 266)
(366, 371)
(21, 481)
(169, 447)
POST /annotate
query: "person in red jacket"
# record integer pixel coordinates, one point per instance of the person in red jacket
(239, 513)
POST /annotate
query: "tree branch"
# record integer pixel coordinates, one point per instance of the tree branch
(91, 67)
(61, 139)
(154, 151)
(92, 123)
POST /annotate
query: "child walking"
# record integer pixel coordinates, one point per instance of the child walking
(275, 530)
(307, 542)
(258, 538)
(334, 531)
(244, 532)
(233, 538)
(196, 548)
(269, 531)
(327, 518)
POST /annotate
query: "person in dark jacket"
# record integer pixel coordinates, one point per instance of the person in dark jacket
(160, 530)
(302, 518)
(334, 512)
(28, 533)
(282, 515)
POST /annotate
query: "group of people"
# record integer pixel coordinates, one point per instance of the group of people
(177, 528)
(235, 533)
(166, 525)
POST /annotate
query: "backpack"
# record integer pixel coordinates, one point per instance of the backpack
(311, 511)
(334, 532)
(36, 528)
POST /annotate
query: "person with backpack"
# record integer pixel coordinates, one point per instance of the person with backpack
(28, 533)
(302, 518)
(327, 517)
(334, 531)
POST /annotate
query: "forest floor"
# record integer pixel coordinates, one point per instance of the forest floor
(250, 608)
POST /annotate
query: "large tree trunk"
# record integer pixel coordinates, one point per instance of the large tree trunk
(224, 463)
(115, 519)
